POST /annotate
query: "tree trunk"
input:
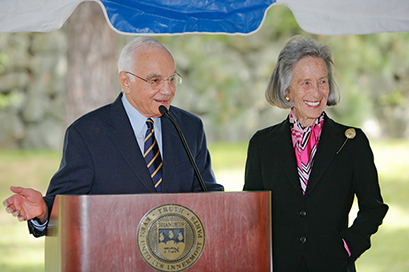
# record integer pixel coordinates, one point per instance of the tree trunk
(92, 72)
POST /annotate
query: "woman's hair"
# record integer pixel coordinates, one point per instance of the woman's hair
(126, 59)
(296, 49)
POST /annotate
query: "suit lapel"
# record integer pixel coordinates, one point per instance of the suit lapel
(285, 150)
(330, 141)
(124, 138)
(172, 152)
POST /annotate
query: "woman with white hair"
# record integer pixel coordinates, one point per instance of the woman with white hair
(314, 168)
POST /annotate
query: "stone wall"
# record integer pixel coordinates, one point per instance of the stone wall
(32, 87)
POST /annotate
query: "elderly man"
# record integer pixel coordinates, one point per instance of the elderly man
(126, 147)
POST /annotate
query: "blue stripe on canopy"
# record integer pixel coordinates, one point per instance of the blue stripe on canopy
(240, 17)
(184, 16)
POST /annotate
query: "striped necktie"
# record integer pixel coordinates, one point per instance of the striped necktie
(152, 156)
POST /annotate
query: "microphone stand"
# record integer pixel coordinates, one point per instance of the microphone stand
(165, 112)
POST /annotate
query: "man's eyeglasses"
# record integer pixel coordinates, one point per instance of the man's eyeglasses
(158, 82)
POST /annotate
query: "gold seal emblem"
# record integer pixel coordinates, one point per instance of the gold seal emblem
(170, 237)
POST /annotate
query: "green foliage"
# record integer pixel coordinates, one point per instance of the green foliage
(10, 99)
(3, 61)
(280, 21)
(3, 101)
(6, 99)
(371, 71)
(226, 75)
(394, 99)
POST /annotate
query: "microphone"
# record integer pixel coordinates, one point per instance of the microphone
(164, 111)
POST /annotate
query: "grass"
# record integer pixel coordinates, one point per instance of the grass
(19, 251)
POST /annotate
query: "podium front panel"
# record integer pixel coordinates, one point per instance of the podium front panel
(100, 232)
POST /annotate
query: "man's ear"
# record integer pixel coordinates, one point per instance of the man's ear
(125, 82)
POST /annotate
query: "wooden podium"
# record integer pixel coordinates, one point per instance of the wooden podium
(113, 232)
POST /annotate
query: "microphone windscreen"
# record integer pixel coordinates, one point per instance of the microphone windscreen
(163, 109)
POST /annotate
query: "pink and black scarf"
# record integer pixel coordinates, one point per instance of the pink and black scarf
(305, 142)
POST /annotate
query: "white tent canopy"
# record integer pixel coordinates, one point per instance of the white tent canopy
(240, 17)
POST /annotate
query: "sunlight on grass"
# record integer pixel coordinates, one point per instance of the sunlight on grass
(19, 251)
(397, 218)
(228, 161)
(389, 250)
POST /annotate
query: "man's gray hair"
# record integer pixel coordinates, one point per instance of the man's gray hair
(127, 57)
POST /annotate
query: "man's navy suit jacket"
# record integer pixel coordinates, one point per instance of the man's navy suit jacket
(101, 156)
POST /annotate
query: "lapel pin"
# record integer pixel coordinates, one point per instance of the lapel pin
(350, 134)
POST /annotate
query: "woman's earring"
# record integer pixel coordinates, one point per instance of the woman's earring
(287, 99)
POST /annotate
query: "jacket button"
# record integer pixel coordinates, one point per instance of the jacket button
(303, 213)
(303, 239)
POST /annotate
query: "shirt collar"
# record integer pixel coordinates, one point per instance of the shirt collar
(138, 121)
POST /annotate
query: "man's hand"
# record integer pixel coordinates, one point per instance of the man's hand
(26, 204)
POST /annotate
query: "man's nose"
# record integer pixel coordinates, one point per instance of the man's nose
(166, 87)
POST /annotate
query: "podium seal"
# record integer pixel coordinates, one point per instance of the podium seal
(170, 237)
